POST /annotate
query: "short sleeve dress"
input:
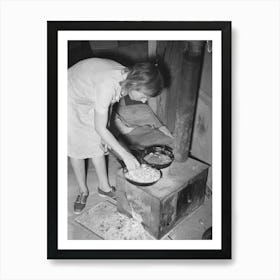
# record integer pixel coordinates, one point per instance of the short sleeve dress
(93, 84)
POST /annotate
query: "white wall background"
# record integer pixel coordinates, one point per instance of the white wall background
(255, 139)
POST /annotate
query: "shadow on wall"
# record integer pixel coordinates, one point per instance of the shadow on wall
(126, 53)
(78, 50)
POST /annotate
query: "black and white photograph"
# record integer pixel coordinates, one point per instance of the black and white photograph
(139, 140)
(135, 139)
(123, 115)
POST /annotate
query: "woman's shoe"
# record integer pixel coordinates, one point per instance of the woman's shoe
(111, 194)
(80, 203)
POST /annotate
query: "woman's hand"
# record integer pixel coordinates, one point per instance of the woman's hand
(130, 161)
(166, 131)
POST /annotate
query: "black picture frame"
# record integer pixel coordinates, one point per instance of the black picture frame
(52, 139)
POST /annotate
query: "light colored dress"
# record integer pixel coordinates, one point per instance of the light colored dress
(93, 84)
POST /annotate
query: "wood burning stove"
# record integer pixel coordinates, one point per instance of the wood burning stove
(161, 206)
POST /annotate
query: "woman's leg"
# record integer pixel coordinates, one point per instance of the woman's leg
(101, 170)
(80, 173)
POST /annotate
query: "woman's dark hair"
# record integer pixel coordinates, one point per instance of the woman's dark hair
(145, 77)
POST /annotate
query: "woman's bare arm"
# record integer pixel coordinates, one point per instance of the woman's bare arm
(100, 122)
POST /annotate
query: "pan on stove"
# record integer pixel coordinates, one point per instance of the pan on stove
(137, 183)
(141, 152)
(141, 184)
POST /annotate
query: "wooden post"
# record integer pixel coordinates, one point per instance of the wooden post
(184, 59)
(186, 98)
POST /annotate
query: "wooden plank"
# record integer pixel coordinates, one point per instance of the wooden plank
(187, 94)
(184, 60)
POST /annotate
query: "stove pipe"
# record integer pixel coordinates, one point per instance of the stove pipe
(189, 81)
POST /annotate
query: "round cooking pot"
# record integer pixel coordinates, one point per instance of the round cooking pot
(141, 152)
(125, 171)
(141, 184)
